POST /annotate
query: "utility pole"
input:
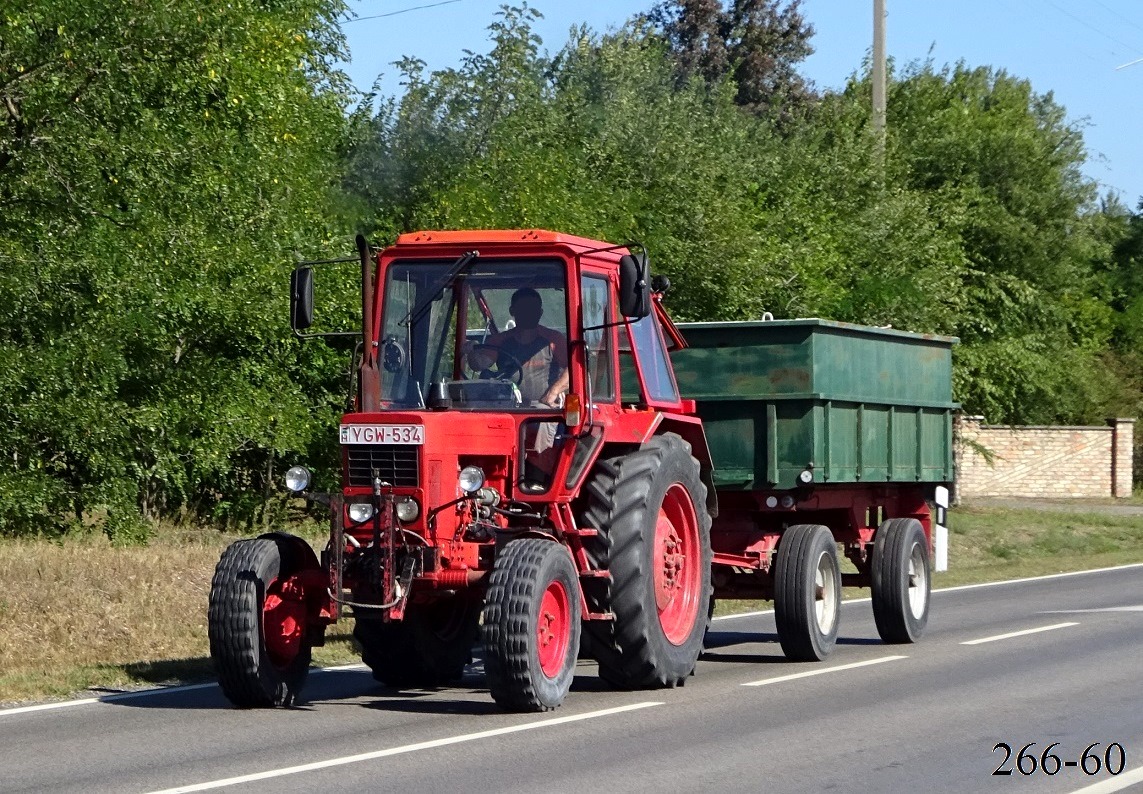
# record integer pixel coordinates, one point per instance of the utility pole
(879, 72)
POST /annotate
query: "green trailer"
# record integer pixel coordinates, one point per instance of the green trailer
(791, 402)
(824, 435)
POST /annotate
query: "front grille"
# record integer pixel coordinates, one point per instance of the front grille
(396, 464)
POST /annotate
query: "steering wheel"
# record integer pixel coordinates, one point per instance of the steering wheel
(514, 374)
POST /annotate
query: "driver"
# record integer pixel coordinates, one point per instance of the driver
(540, 353)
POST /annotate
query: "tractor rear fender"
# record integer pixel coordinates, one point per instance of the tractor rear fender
(689, 428)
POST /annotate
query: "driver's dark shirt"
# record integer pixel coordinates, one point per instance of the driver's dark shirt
(542, 359)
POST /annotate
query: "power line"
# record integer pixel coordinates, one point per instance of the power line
(1115, 13)
(1129, 47)
(402, 11)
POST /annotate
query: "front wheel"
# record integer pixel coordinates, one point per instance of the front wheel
(807, 592)
(257, 625)
(531, 625)
(901, 580)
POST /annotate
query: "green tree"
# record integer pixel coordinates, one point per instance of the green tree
(757, 43)
(1001, 166)
(159, 165)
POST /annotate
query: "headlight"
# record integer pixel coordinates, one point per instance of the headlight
(408, 510)
(298, 478)
(360, 512)
(471, 478)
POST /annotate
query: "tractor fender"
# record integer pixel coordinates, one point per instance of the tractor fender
(688, 427)
(301, 554)
(691, 430)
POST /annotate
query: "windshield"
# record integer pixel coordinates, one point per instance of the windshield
(496, 336)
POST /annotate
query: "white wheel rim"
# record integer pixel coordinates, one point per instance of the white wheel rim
(918, 582)
(825, 594)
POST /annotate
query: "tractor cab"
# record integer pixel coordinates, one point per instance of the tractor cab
(476, 335)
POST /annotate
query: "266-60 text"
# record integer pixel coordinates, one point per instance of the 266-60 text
(1091, 761)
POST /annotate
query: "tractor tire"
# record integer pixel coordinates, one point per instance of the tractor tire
(901, 580)
(258, 633)
(807, 592)
(654, 538)
(429, 648)
(531, 625)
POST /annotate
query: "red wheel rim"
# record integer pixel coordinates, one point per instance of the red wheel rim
(283, 622)
(676, 565)
(553, 625)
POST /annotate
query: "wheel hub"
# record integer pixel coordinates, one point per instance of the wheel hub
(553, 627)
(283, 621)
(675, 565)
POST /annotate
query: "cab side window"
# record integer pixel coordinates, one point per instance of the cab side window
(595, 294)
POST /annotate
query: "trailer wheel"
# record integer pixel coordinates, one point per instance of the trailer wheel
(429, 648)
(654, 539)
(807, 592)
(256, 622)
(901, 580)
(531, 625)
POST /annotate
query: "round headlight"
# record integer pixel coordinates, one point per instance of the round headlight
(471, 478)
(408, 510)
(298, 478)
(360, 512)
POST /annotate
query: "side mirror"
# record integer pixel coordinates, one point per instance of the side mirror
(302, 298)
(634, 286)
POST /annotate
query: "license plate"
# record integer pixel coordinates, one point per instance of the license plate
(382, 434)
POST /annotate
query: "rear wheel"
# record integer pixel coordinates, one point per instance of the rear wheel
(257, 624)
(429, 648)
(807, 592)
(531, 625)
(654, 540)
(901, 580)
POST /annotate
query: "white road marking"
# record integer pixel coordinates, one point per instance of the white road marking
(1011, 634)
(1117, 783)
(1037, 578)
(1136, 608)
(63, 704)
(408, 748)
(743, 615)
(824, 670)
(1047, 577)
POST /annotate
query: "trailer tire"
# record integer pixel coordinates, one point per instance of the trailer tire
(807, 592)
(531, 625)
(429, 648)
(257, 629)
(901, 581)
(649, 508)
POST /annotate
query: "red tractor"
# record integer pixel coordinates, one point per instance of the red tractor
(521, 469)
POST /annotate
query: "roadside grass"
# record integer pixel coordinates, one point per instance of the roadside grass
(79, 615)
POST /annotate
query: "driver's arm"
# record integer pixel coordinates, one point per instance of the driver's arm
(563, 379)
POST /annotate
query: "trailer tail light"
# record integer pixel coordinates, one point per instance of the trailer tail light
(573, 411)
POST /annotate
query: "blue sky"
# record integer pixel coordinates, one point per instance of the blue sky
(1065, 47)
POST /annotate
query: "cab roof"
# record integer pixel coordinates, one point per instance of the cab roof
(498, 236)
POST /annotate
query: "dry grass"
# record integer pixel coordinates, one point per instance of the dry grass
(81, 614)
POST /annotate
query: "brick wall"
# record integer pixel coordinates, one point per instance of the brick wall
(1056, 462)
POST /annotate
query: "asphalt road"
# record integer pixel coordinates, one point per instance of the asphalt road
(1048, 660)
